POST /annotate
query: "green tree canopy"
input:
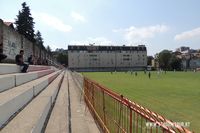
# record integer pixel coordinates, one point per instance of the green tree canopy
(175, 63)
(168, 60)
(24, 22)
(39, 41)
(62, 58)
(38, 38)
(164, 59)
(48, 48)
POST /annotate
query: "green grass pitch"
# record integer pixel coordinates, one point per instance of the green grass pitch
(175, 95)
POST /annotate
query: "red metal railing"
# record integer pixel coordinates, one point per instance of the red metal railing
(117, 114)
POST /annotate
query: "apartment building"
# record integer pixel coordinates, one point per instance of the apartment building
(100, 58)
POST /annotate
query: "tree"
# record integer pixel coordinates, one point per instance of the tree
(24, 22)
(164, 59)
(62, 58)
(39, 41)
(60, 50)
(175, 63)
(48, 48)
(38, 38)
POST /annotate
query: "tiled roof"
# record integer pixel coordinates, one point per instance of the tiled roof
(10, 24)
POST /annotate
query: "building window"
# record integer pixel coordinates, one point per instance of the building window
(126, 55)
(126, 59)
(93, 55)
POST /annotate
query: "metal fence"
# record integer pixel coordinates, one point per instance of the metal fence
(116, 114)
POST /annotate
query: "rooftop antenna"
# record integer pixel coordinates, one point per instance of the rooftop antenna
(91, 44)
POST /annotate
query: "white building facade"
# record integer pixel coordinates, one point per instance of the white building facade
(100, 58)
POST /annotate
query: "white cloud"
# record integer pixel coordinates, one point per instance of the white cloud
(77, 16)
(133, 34)
(52, 21)
(188, 34)
(100, 40)
(117, 30)
(91, 40)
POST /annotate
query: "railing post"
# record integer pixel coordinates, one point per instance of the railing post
(84, 88)
(136, 122)
(130, 120)
(104, 108)
(92, 88)
(120, 113)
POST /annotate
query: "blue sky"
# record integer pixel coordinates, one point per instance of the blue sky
(158, 24)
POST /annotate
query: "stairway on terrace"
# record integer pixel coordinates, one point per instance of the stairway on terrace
(45, 99)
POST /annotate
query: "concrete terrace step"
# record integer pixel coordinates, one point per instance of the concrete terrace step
(9, 68)
(37, 68)
(14, 99)
(33, 116)
(13, 68)
(12, 80)
(58, 121)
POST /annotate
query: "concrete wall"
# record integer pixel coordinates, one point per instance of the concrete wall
(28, 48)
(11, 42)
(1, 36)
(36, 51)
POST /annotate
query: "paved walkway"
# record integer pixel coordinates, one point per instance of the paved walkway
(81, 119)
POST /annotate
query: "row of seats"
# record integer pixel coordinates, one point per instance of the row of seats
(26, 99)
